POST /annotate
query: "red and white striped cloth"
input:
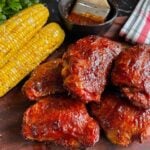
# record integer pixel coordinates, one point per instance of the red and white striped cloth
(137, 27)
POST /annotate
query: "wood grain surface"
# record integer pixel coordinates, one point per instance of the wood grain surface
(13, 105)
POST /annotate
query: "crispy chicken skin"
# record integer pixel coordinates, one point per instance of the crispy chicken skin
(132, 74)
(121, 121)
(60, 120)
(86, 65)
(45, 80)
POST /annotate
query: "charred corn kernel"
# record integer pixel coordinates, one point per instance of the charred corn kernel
(18, 30)
(36, 50)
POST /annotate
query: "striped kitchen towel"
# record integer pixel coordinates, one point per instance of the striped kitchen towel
(137, 27)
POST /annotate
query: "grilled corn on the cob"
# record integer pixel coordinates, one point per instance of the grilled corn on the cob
(38, 48)
(18, 30)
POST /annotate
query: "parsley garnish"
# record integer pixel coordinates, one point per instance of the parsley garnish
(10, 7)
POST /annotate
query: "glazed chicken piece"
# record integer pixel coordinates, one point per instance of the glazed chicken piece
(86, 65)
(132, 74)
(121, 121)
(60, 120)
(45, 80)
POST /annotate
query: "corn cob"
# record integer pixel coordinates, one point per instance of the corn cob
(18, 30)
(40, 46)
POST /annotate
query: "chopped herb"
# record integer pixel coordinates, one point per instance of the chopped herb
(10, 7)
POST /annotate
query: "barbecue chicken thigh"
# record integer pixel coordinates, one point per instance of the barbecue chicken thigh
(132, 74)
(60, 120)
(121, 121)
(86, 65)
(45, 80)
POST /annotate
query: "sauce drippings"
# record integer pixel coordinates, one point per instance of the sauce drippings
(85, 19)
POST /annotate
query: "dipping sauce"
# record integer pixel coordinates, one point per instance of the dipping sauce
(85, 19)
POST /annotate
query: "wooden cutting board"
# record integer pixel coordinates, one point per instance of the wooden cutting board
(13, 105)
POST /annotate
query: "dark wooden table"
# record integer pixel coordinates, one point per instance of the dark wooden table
(14, 104)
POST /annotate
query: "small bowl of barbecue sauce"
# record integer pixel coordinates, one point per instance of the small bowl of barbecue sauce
(80, 25)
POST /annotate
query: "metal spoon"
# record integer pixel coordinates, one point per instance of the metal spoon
(89, 8)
